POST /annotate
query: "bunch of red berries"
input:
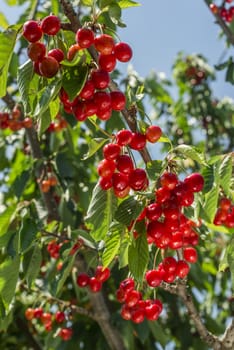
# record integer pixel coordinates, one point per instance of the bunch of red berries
(134, 307)
(45, 64)
(225, 213)
(117, 169)
(95, 282)
(225, 10)
(50, 321)
(53, 247)
(13, 122)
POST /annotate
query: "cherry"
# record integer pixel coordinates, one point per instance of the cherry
(102, 100)
(138, 315)
(106, 168)
(194, 182)
(138, 141)
(214, 8)
(153, 211)
(107, 62)
(60, 316)
(118, 100)
(27, 122)
(90, 107)
(127, 284)
(138, 179)
(162, 194)
(225, 203)
(190, 254)
(32, 31)
(154, 277)
(125, 312)
(50, 25)
(153, 133)
(123, 52)
(120, 295)
(79, 111)
(102, 274)
(104, 114)
(57, 54)
(155, 229)
(48, 67)
(105, 183)
(124, 164)
(85, 37)
(29, 314)
(72, 51)
(38, 312)
(100, 78)
(169, 180)
(124, 137)
(111, 151)
(65, 333)
(104, 44)
(132, 297)
(182, 269)
(95, 285)
(120, 181)
(153, 310)
(123, 193)
(87, 91)
(177, 240)
(46, 318)
(82, 280)
(36, 51)
(45, 186)
(169, 264)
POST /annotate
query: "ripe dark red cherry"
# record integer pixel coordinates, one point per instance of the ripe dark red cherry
(82, 280)
(102, 273)
(36, 51)
(79, 111)
(57, 54)
(32, 31)
(105, 183)
(118, 100)
(100, 78)
(138, 179)
(104, 44)
(127, 284)
(153, 133)
(154, 278)
(48, 67)
(132, 297)
(138, 315)
(194, 182)
(90, 107)
(111, 151)
(124, 164)
(95, 285)
(153, 211)
(104, 114)
(88, 90)
(190, 254)
(59, 316)
(84, 37)
(120, 181)
(138, 141)
(124, 137)
(50, 25)
(123, 52)
(107, 62)
(65, 333)
(106, 168)
(102, 100)
(169, 180)
(182, 269)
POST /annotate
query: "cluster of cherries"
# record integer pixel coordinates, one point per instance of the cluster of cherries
(225, 213)
(53, 247)
(117, 169)
(48, 182)
(13, 122)
(45, 64)
(95, 282)
(135, 308)
(55, 322)
(225, 10)
(93, 98)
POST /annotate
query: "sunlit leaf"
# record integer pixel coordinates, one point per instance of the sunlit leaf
(225, 173)
(74, 79)
(138, 256)
(128, 3)
(94, 145)
(112, 244)
(128, 210)
(190, 152)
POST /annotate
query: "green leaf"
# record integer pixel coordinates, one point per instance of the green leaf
(7, 44)
(101, 212)
(5, 219)
(114, 12)
(24, 79)
(225, 173)
(87, 2)
(230, 73)
(190, 152)
(49, 93)
(21, 182)
(64, 273)
(55, 7)
(94, 145)
(128, 210)
(138, 257)
(74, 79)
(230, 259)
(9, 272)
(27, 234)
(123, 252)
(128, 3)
(208, 174)
(3, 21)
(112, 244)
(154, 169)
(211, 201)
(32, 264)
(104, 3)
(159, 333)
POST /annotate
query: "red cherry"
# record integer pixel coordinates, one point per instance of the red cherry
(123, 52)
(79, 111)
(102, 273)
(36, 51)
(169, 180)
(100, 78)
(104, 114)
(190, 254)
(194, 182)
(153, 310)
(50, 25)
(118, 100)
(138, 179)
(107, 62)
(138, 141)
(29, 314)
(124, 164)
(153, 211)
(104, 44)
(126, 312)
(82, 280)
(46, 317)
(120, 181)
(57, 54)
(177, 240)
(182, 269)
(90, 107)
(154, 277)
(60, 316)
(124, 137)
(111, 151)
(127, 284)
(65, 333)
(138, 315)
(85, 37)
(120, 295)
(95, 285)
(123, 193)
(32, 31)
(225, 203)
(155, 229)
(132, 297)
(48, 67)
(105, 183)
(153, 133)
(102, 100)
(169, 264)
(88, 90)
(38, 312)
(106, 168)
(214, 8)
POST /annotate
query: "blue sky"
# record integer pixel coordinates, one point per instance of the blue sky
(159, 29)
